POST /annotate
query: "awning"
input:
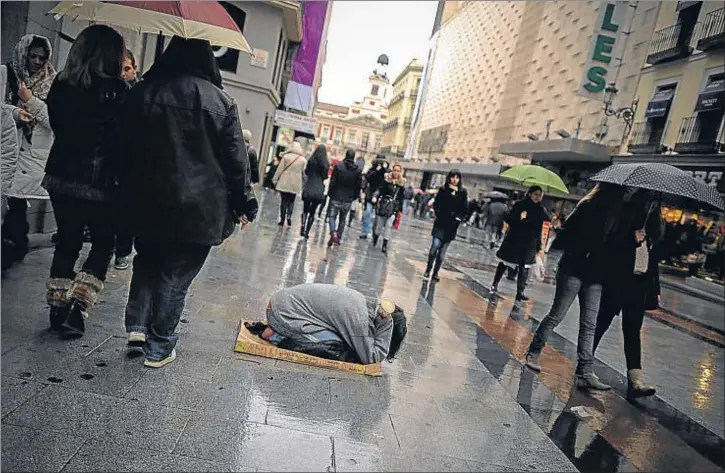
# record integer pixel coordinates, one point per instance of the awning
(567, 149)
(712, 97)
(660, 104)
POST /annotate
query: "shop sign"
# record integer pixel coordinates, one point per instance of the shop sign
(711, 177)
(259, 58)
(606, 48)
(296, 122)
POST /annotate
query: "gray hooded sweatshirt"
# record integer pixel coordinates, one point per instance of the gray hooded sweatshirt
(301, 311)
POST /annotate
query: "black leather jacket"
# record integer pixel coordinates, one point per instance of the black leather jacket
(188, 174)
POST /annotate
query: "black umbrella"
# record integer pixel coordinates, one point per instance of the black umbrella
(495, 195)
(660, 178)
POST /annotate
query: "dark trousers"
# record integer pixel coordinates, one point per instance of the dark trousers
(72, 215)
(627, 297)
(338, 215)
(286, 205)
(437, 253)
(124, 245)
(15, 230)
(309, 206)
(162, 274)
(323, 205)
(523, 275)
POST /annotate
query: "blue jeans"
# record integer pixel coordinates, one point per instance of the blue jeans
(406, 204)
(162, 274)
(437, 253)
(567, 288)
(340, 209)
(367, 219)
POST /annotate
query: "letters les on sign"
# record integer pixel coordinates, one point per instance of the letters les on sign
(606, 48)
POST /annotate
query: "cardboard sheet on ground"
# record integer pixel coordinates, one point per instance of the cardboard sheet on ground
(251, 344)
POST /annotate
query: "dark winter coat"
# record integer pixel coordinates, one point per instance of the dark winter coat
(253, 164)
(316, 172)
(451, 208)
(523, 239)
(346, 182)
(373, 179)
(188, 175)
(88, 152)
(394, 189)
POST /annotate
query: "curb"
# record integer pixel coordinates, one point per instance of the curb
(693, 292)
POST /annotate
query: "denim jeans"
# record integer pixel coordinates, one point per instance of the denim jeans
(406, 205)
(384, 226)
(162, 274)
(567, 288)
(437, 253)
(367, 219)
(338, 209)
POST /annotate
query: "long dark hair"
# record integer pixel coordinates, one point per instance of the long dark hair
(187, 56)
(318, 161)
(400, 330)
(97, 53)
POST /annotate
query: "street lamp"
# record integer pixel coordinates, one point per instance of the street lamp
(625, 113)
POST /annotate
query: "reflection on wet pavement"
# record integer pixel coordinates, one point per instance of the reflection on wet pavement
(456, 399)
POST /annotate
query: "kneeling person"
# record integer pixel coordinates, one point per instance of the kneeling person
(333, 322)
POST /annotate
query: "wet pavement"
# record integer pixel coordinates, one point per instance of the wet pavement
(456, 399)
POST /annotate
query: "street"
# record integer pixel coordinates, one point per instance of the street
(457, 398)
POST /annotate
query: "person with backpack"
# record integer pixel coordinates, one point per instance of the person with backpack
(388, 201)
(345, 186)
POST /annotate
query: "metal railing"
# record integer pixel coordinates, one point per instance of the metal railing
(689, 130)
(713, 25)
(694, 138)
(391, 124)
(669, 38)
(396, 99)
(644, 137)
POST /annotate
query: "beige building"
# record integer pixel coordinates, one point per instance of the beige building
(681, 92)
(396, 132)
(358, 126)
(504, 79)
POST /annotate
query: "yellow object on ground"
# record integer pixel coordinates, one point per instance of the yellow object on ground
(251, 344)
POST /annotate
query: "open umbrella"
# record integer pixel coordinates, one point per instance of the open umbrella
(199, 20)
(662, 178)
(495, 195)
(532, 175)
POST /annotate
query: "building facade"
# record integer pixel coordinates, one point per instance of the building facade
(681, 93)
(503, 81)
(396, 131)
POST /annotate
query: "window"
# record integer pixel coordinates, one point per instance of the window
(365, 140)
(352, 139)
(372, 103)
(355, 111)
(378, 142)
(375, 89)
(338, 137)
(325, 134)
(709, 108)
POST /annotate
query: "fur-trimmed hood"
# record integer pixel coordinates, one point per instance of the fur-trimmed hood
(389, 179)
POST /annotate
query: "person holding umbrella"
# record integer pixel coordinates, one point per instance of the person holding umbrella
(523, 239)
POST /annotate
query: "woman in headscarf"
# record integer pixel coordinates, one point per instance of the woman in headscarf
(523, 239)
(313, 193)
(84, 106)
(26, 80)
(451, 208)
(186, 186)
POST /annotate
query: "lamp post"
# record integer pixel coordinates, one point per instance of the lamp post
(625, 113)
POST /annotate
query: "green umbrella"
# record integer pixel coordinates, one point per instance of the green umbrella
(531, 175)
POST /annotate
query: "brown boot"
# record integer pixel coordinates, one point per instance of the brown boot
(57, 297)
(82, 295)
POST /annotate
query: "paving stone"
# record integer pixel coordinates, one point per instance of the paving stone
(356, 456)
(27, 449)
(16, 391)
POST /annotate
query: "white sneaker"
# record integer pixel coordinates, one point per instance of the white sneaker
(136, 339)
(161, 363)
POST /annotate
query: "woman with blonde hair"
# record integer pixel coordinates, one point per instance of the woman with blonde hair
(388, 201)
(288, 181)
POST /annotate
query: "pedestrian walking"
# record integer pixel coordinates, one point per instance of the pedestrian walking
(407, 197)
(495, 214)
(313, 193)
(85, 108)
(388, 201)
(632, 280)
(373, 179)
(124, 241)
(287, 181)
(253, 158)
(523, 239)
(268, 184)
(26, 80)
(345, 187)
(451, 208)
(185, 188)
(581, 272)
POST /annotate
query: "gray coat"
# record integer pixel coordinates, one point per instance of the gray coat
(301, 311)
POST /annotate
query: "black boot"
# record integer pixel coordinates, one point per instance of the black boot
(375, 240)
(303, 224)
(74, 325)
(428, 267)
(437, 268)
(500, 269)
(385, 247)
(57, 316)
(308, 226)
(57, 297)
(521, 284)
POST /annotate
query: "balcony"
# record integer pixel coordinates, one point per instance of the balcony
(396, 99)
(645, 139)
(712, 31)
(669, 44)
(694, 138)
(391, 124)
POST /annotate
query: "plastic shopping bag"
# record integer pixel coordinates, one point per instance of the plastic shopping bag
(539, 270)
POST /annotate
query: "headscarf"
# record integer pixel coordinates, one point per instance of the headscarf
(39, 84)
(187, 56)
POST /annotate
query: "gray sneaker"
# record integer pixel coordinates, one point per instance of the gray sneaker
(591, 381)
(122, 262)
(532, 361)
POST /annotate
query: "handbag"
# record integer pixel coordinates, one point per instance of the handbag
(386, 205)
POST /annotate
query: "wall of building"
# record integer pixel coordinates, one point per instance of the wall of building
(400, 110)
(525, 74)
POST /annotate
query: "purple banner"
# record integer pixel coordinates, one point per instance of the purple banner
(305, 61)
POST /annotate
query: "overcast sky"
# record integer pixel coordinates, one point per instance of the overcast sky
(361, 31)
